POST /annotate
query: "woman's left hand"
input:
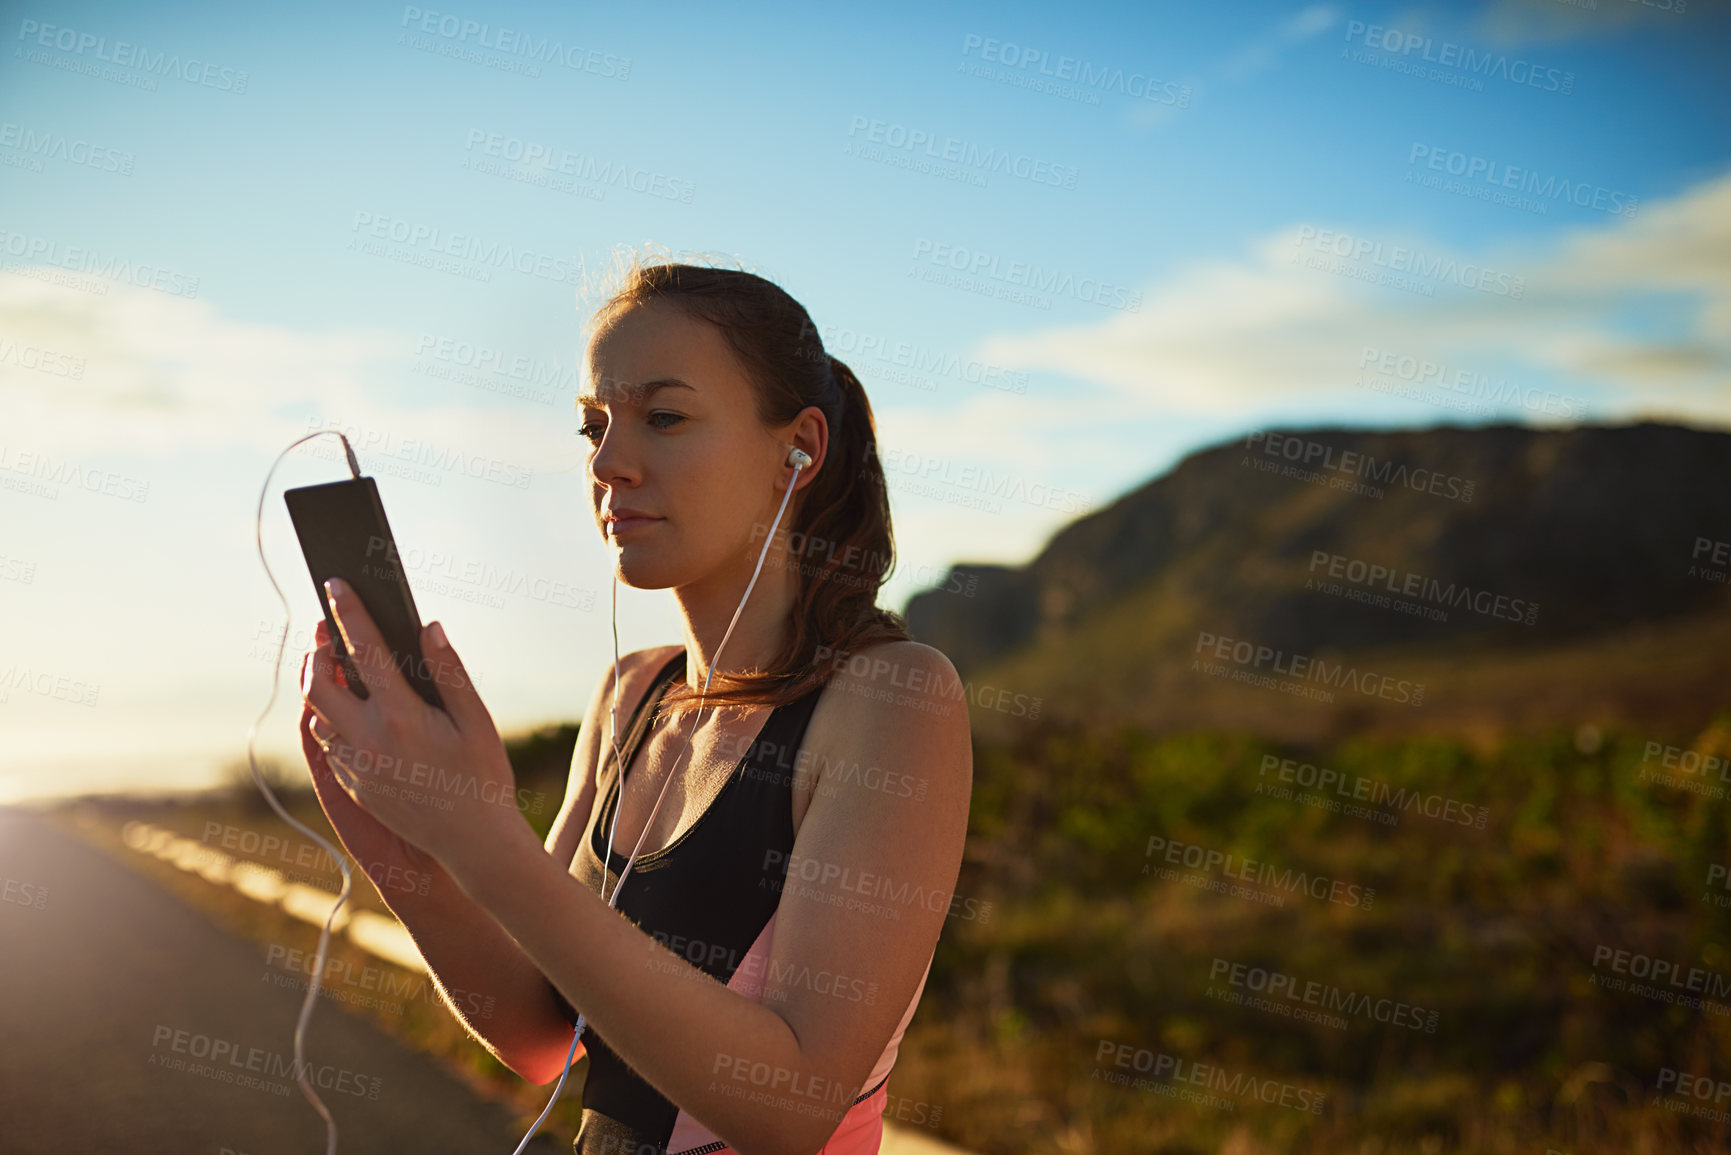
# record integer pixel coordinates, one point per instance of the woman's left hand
(438, 779)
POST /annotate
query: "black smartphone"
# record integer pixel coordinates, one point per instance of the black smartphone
(344, 534)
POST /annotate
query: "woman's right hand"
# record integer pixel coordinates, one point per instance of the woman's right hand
(397, 867)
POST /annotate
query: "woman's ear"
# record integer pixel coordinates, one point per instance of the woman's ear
(808, 434)
(796, 462)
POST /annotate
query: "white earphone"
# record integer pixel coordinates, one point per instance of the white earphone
(799, 459)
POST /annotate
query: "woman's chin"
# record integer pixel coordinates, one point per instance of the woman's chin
(635, 568)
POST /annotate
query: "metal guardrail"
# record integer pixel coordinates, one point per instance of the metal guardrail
(378, 934)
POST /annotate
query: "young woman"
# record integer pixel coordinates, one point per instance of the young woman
(799, 830)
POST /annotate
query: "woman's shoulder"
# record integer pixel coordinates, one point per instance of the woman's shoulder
(639, 667)
(889, 678)
(636, 670)
(653, 658)
(895, 654)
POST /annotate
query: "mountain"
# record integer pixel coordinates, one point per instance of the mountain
(1520, 576)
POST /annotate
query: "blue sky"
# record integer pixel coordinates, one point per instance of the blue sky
(1241, 216)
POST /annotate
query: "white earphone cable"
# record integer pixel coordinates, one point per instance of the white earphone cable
(258, 778)
(799, 459)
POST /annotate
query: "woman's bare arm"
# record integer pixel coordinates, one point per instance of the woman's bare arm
(493, 988)
(490, 984)
(773, 1078)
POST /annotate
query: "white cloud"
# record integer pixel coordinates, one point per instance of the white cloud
(1262, 52)
(1511, 24)
(1234, 336)
(167, 376)
(166, 373)
(1255, 56)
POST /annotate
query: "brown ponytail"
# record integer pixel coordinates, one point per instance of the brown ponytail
(840, 543)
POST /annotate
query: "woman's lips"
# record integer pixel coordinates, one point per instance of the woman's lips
(627, 524)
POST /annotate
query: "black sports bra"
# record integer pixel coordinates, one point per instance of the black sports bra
(706, 895)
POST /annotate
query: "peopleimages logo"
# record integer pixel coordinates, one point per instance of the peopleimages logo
(463, 246)
(1675, 767)
(1448, 54)
(557, 161)
(124, 55)
(1456, 595)
(226, 1056)
(1500, 175)
(79, 259)
(985, 160)
(30, 463)
(42, 360)
(976, 263)
(1251, 870)
(468, 362)
(1469, 383)
(1302, 668)
(1086, 77)
(1661, 980)
(1164, 1070)
(1307, 453)
(1372, 790)
(1404, 261)
(514, 42)
(49, 145)
(390, 446)
(1279, 985)
(1681, 1086)
(897, 462)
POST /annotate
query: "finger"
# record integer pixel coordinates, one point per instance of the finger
(339, 752)
(456, 688)
(333, 653)
(335, 749)
(323, 733)
(352, 766)
(322, 631)
(372, 657)
(330, 699)
(329, 704)
(341, 756)
(333, 792)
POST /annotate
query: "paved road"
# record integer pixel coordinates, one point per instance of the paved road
(107, 981)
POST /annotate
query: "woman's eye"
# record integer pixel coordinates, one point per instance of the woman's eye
(590, 430)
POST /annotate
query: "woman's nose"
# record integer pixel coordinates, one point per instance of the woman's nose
(608, 465)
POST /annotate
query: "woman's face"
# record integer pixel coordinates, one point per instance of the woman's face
(675, 436)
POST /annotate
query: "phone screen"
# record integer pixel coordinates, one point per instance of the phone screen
(344, 534)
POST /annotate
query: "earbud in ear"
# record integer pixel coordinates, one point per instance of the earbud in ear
(799, 459)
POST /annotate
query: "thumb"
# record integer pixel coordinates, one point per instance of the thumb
(456, 688)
